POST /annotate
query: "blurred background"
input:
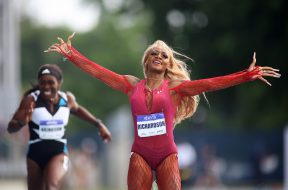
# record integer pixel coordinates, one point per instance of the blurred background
(238, 142)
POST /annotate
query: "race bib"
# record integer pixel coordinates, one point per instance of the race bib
(151, 125)
(51, 129)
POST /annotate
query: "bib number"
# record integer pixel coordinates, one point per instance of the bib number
(151, 125)
(52, 129)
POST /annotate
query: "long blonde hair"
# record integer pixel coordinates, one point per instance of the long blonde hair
(176, 70)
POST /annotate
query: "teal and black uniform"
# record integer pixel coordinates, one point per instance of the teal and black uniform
(47, 130)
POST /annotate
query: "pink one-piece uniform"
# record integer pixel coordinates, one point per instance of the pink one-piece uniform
(153, 149)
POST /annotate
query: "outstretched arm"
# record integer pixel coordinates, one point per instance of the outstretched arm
(112, 79)
(85, 115)
(191, 88)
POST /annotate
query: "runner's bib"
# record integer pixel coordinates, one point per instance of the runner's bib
(51, 129)
(151, 125)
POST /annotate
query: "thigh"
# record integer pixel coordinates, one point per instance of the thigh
(55, 171)
(168, 175)
(34, 176)
(139, 174)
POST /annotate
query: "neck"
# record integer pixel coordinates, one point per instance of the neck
(54, 100)
(153, 83)
(154, 76)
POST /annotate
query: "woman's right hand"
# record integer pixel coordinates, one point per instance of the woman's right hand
(22, 116)
(63, 47)
(28, 114)
(25, 112)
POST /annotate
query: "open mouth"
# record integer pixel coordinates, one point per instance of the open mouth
(47, 93)
(157, 62)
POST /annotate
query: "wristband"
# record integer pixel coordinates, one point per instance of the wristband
(97, 123)
(20, 123)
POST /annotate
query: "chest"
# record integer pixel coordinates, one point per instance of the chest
(41, 114)
(158, 100)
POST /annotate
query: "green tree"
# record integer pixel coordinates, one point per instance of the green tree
(111, 44)
(221, 36)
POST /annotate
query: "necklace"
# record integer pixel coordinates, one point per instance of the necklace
(148, 88)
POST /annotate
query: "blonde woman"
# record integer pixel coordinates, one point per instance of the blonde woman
(161, 100)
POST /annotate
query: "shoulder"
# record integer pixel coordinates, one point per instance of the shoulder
(132, 80)
(174, 83)
(70, 95)
(34, 94)
(71, 99)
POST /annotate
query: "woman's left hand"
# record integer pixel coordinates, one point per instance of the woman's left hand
(104, 133)
(264, 71)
